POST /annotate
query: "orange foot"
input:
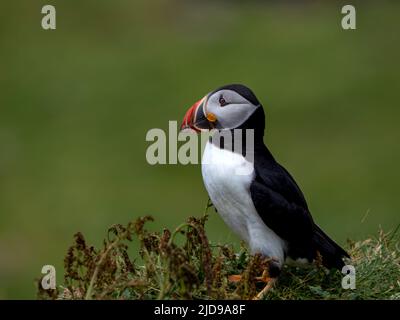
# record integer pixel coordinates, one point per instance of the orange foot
(264, 291)
(235, 278)
(263, 278)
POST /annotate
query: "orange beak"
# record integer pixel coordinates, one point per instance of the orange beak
(189, 120)
(197, 118)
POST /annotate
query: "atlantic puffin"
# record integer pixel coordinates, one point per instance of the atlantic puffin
(264, 207)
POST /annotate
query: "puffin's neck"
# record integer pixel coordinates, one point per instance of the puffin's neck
(240, 143)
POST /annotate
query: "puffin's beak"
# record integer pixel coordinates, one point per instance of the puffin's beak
(196, 119)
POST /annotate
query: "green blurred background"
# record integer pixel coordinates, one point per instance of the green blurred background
(76, 104)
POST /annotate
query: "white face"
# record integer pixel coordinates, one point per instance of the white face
(230, 108)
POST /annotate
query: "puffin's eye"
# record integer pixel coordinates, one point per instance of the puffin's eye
(222, 101)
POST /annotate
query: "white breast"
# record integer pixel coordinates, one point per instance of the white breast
(229, 191)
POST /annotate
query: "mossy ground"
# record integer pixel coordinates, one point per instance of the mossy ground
(183, 264)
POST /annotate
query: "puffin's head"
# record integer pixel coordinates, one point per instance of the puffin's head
(229, 107)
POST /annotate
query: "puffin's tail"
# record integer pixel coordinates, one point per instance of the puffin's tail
(332, 254)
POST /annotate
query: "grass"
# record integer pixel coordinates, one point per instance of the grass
(183, 264)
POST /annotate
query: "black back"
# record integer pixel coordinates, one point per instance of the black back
(279, 200)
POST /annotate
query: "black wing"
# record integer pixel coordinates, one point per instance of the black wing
(279, 201)
(283, 208)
